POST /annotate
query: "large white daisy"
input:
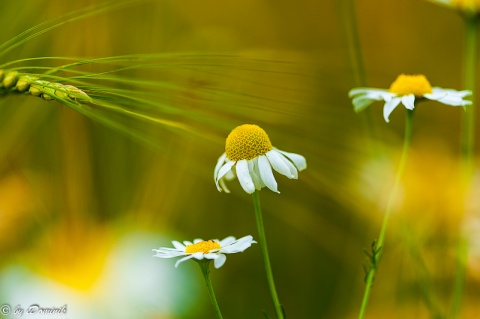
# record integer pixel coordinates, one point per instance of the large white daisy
(250, 156)
(206, 249)
(406, 89)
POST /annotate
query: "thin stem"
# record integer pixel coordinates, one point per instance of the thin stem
(266, 259)
(470, 67)
(351, 33)
(377, 248)
(467, 150)
(459, 285)
(205, 267)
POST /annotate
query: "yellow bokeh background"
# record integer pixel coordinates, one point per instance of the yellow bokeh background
(83, 205)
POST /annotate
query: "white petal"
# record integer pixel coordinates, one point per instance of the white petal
(256, 170)
(238, 246)
(435, 95)
(178, 245)
(372, 93)
(299, 161)
(197, 240)
(449, 96)
(454, 101)
(230, 175)
(220, 162)
(186, 242)
(210, 256)
(266, 173)
(244, 177)
(409, 101)
(183, 259)
(361, 102)
(219, 261)
(278, 163)
(227, 241)
(389, 107)
(291, 167)
(461, 94)
(257, 180)
(198, 255)
(223, 170)
(223, 185)
(168, 253)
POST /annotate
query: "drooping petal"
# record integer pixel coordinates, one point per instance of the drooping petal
(244, 177)
(389, 107)
(278, 163)
(223, 170)
(266, 173)
(291, 167)
(361, 102)
(299, 161)
(256, 170)
(183, 259)
(229, 176)
(257, 180)
(409, 101)
(210, 256)
(220, 162)
(223, 185)
(219, 261)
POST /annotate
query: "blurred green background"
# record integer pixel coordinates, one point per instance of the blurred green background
(82, 205)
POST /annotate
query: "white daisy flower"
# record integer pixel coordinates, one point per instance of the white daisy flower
(206, 249)
(406, 89)
(250, 156)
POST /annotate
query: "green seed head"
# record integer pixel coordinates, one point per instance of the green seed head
(10, 79)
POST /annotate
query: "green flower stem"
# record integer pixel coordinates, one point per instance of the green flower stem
(350, 29)
(462, 255)
(205, 267)
(470, 67)
(378, 249)
(467, 149)
(266, 259)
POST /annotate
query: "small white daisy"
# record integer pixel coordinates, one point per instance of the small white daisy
(406, 89)
(208, 249)
(250, 156)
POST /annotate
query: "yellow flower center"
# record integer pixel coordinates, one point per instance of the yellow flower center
(202, 247)
(246, 142)
(411, 84)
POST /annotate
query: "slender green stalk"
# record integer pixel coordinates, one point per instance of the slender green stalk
(266, 259)
(470, 67)
(350, 24)
(205, 267)
(377, 248)
(459, 285)
(467, 149)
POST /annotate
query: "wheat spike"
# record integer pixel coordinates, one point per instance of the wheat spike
(12, 82)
